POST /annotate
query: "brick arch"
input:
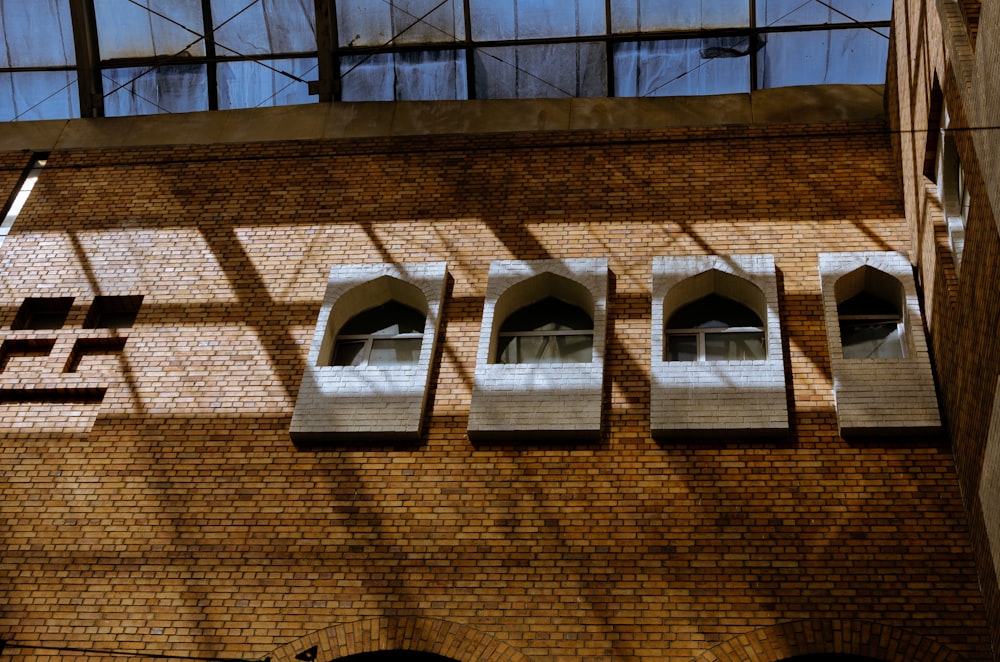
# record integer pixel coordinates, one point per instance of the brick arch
(851, 637)
(427, 635)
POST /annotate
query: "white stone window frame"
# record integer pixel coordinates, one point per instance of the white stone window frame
(953, 190)
(540, 401)
(685, 396)
(878, 396)
(369, 403)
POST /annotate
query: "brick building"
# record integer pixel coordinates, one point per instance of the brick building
(203, 456)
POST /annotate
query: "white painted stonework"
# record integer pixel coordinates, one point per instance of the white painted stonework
(712, 398)
(549, 400)
(368, 403)
(878, 396)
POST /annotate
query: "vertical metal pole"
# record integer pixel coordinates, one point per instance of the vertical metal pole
(609, 50)
(470, 54)
(754, 45)
(88, 58)
(212, 64)
(329, 87)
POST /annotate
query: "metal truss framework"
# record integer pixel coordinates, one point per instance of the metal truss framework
(336, 57)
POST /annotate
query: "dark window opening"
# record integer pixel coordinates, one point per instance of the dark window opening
(113, 312)
(870, 328)
(390, 334)
(714, 328)
(42, 313)
(549, 331)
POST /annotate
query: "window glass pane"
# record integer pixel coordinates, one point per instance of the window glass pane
(348, 352)
(141, 28)
(255, 84)
(411, 76)
(865, 340)
(431, 76)
(38, 95)
(542, 71)
(795, 12)
(865, 303)
(682, 67)
(682, 348)
(37, 33)
(549, 314)
(644, 16)
(547, 349)
(367, 77)
(264, 27)
(367, 23)
(390, 351)
(823, 57)
(575, 348)
(145, 91)
(390, 318)
(531, 19)
(713, 311)
(734, 346)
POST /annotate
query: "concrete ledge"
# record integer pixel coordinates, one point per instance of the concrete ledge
(798, 105)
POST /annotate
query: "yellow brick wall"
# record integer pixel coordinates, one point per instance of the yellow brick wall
(176, 516)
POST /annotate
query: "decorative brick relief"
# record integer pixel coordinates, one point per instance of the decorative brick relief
(717, 397)
(368, 402)
(879, 395)
(540, 400)
(53, 353)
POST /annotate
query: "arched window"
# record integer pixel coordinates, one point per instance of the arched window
(548, 331)
(870, 328)
(714, 328)
(389, 334)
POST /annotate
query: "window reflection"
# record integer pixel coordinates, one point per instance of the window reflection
(549, 331)
(870, 328)
(714, 328)
(390, 334)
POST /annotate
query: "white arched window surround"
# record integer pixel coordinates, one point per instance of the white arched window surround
(685, 394)
(547, 399)
(374, 400)
(877, 393)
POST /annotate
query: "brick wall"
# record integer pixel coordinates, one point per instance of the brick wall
(176, 516)
(959, 305)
